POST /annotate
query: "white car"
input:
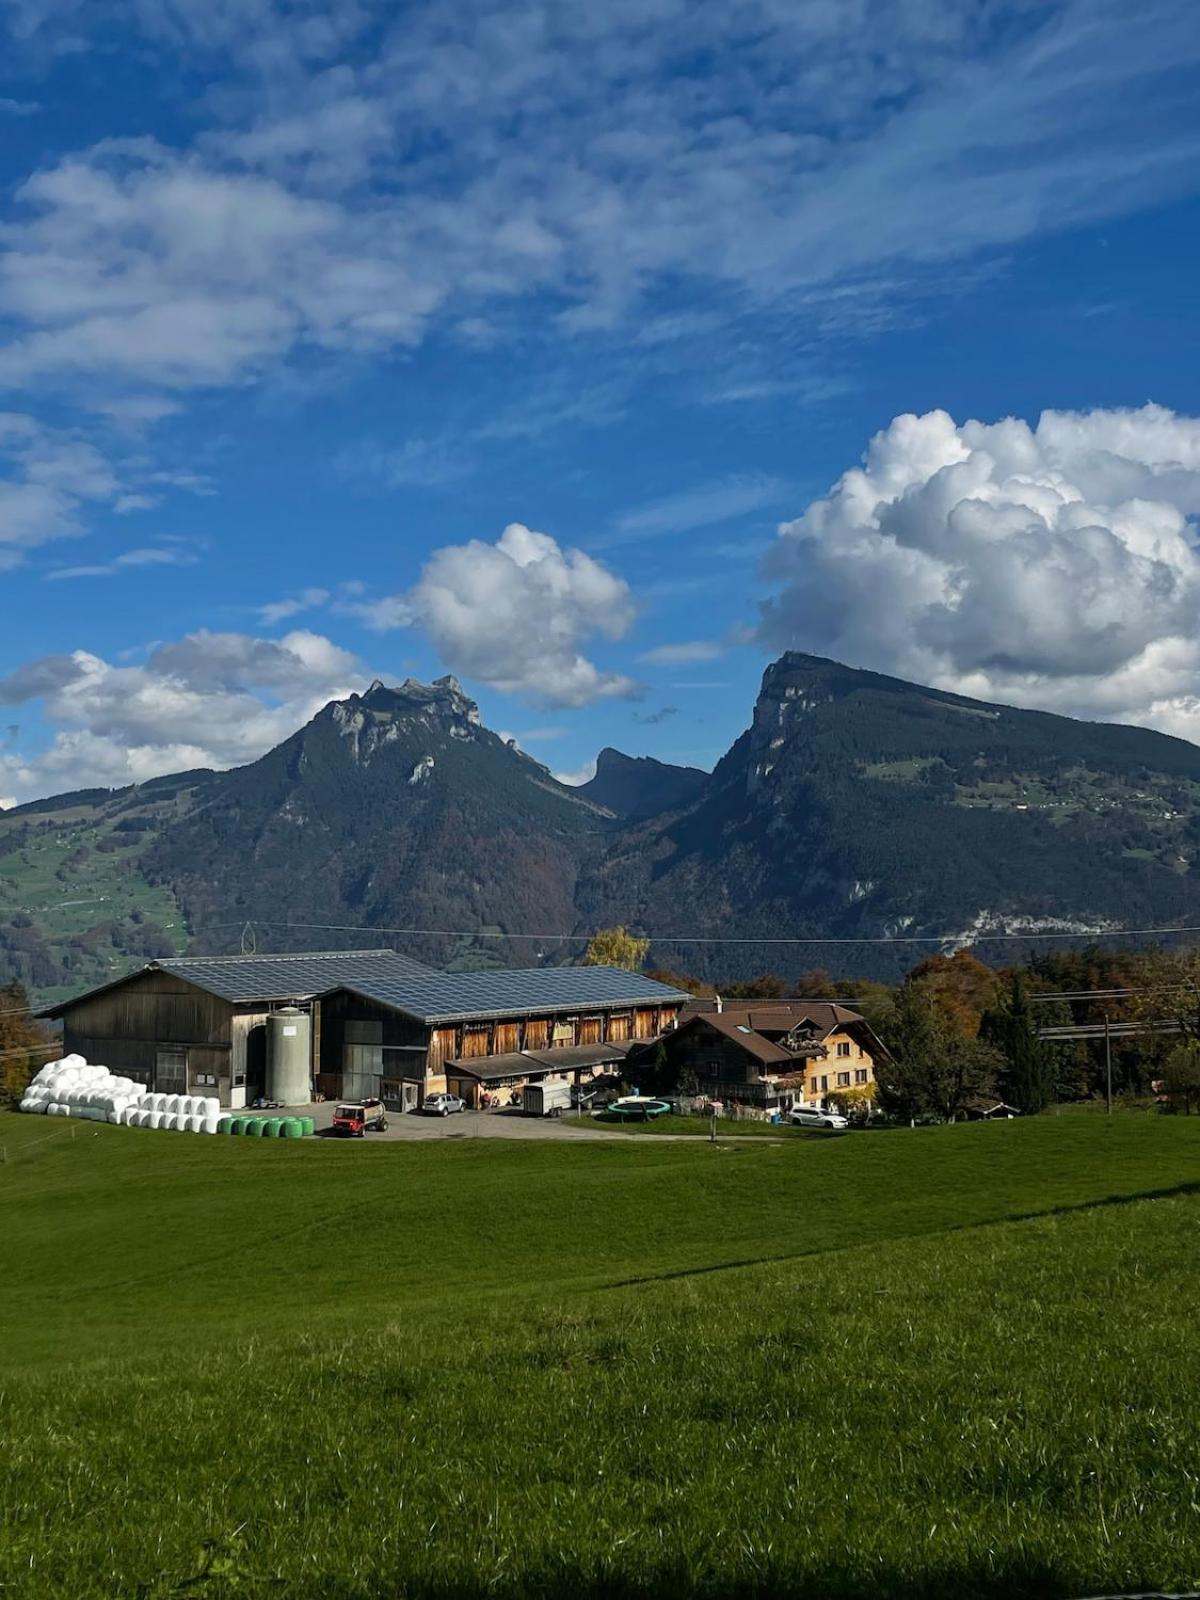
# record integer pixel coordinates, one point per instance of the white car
(442, 1105)
(814, 1117)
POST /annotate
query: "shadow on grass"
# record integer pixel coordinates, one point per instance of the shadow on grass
(1173, 1191)
(1020, 1579)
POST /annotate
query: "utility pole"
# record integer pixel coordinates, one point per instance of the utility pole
(1107, 1066)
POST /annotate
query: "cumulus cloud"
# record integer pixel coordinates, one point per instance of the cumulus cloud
(207, 700)
(516, 614)
(1053, 565)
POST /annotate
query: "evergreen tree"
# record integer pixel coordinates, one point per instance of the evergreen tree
(1011, 1026)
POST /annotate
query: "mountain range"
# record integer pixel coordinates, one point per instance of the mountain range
(855, 806)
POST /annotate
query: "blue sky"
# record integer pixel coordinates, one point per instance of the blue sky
(302, 308)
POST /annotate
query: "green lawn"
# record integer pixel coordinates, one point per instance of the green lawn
(698, 1127)
(945, 1362)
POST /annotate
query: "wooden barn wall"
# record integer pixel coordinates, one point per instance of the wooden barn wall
(472, 1041)
(126, 1027)
(395, 1028)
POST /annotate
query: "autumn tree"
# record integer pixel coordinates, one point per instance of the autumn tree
(616, 947)
(963, 986)
(934, 1070)
(22, 1042)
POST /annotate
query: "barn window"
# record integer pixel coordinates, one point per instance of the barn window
(843, 1048)
(170, 1069)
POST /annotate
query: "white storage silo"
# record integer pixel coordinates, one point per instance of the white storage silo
(289, 1057)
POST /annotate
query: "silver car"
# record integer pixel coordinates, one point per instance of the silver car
(441, 1105)
(814, 1117)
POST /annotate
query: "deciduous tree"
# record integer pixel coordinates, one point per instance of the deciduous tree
(616, 947)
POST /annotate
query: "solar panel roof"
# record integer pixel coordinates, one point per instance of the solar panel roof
(240, 979)
(521, 991)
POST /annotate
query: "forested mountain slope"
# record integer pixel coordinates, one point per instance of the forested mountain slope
(858, 805)
(855, 807)
(640, 786)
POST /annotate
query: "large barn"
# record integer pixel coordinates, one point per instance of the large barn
(372, 1023)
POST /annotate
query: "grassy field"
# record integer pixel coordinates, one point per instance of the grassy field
(944, 1362)
(727, 1128)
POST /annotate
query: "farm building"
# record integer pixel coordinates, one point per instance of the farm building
(771, 1054)
(356, 1023)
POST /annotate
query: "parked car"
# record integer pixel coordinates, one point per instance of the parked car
(352, 1118)
(814, 1117)
(441, 1105)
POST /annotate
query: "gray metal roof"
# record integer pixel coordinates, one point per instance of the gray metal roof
(522, 991)
(536, 1063)
(241, 979)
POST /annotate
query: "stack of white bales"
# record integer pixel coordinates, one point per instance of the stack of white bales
(72, 1088)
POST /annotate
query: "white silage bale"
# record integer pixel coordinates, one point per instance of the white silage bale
(171, 1105)
(212, 1106)
(38, 1107)
(144, 1117)
(154, 1119)
(195, 1123)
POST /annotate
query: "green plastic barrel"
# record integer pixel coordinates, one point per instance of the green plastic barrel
(271, 1127)
(254, 1127)
(291, 1128)
(224, 1124)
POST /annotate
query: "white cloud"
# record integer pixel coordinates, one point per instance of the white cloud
(292, 605)
(516, 614)
(704, 506)
(147, 556)
(1053, 566)
(340, 200)
(207, 700)
(688, 650)
(50, 476)
(578, 775)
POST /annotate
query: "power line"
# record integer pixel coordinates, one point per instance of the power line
(687, 938)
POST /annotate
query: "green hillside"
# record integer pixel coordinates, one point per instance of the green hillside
(946, 1362)
(861, 806)
(76, 907)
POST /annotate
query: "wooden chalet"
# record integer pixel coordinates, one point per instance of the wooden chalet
(771, 1054)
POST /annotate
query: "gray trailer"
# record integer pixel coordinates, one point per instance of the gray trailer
(546, 1099)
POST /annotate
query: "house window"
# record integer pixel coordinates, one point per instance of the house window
(204, 1080)
(824, 1085)
(812, 1086)
(843, 1080)
(843, 1048)
(860, 1075)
